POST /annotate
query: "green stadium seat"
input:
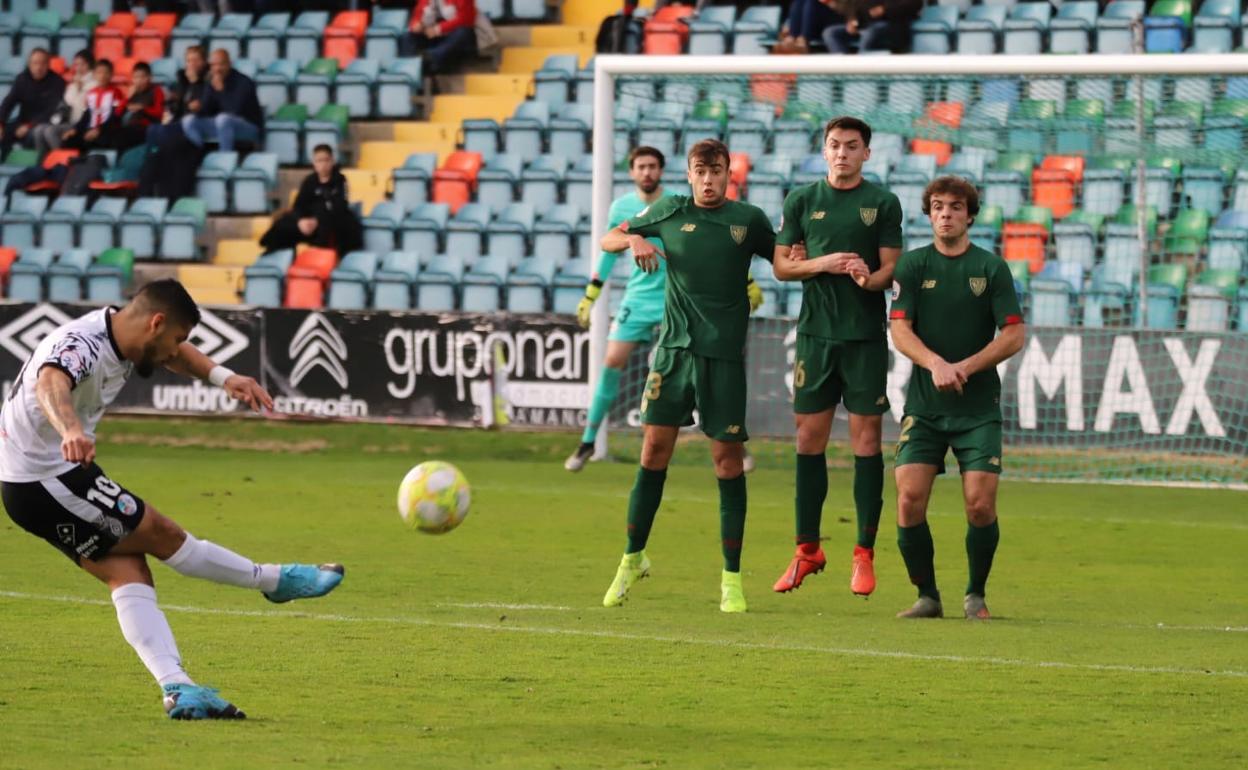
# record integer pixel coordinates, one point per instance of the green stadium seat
(1188, 233)
(1225, 281)
(1127, 216)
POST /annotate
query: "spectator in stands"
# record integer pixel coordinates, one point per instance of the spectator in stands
(443, 32)
(807, 21)
(321, 215)
(876, 25)
(101, 122)
(73, 104)
(186, 97)
(229, 112)
(36, 93)
(144, 108)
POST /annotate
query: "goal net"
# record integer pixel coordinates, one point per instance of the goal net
(1116, 187)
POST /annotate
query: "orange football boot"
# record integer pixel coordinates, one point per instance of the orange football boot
(803, 564)
(862, 580)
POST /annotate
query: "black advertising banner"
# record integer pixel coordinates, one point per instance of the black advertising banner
(1069, 388)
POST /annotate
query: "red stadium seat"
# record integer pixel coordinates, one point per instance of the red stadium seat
(772, 88)
(304, 289)
(344, 49)
(739, 168)
(454, 183)
(123, 70)
(112, 38)
(58, 158)
(57, 65)
(1024, 242)
(316, 262)
(1055, 190)
(1071, 164)
(348, 24)
(944, 113)
(149, 41)
(8, 255)
(942, 150)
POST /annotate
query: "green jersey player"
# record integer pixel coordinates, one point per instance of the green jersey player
(708, 242)
(841, 236)
(950, 299)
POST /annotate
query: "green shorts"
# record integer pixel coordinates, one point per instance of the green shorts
(634, 325)
(680, 381)
(825, 372)
(925, 441)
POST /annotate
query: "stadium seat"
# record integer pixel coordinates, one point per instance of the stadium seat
(522, 132)
(1215, 26)
(264, 38)
(383, 33)
(1207, 309)
(273, 84)
(315, 262)
(756, 24)
(112, 38)
(1026, 28)
(150, 39)
(1051, 299)
(59, 221)
(264, 278)
(411, 180)
(553, 233)
(1188, 233)
(1202, 189)
(212, 184)
(482, 285)
(437, 284)
(711, 29)
(228, 34)
(192, 29)
(465, 233)
(457, 179)
(381, 227)
(509, 233)
(354, 87)
(664, 33)
(304, 35)
(1054, 190)
(933, 30)
(528, 286)
(8, 255)
(304, 290)
(571, 130)
(1077, 237)
(397, 86)
(528, 10)
(1166, 26)
(27, 275)
(350, 281)
(569, 285)
(20, 219)
(98, 227)
(1228, 247)
(392, 283)
(312, 85)
(498, 180)
(423, 227)
(1004, 189)
(541, 179)
(252, 183)
(980, 29)
(65, 276)
(282, 133)
(181, 228)
(1113, 26)
(328, 126)
(109, 275)
(551, 83)
(1071, 30)
(73, 36)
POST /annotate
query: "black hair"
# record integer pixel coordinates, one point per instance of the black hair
(170, 297)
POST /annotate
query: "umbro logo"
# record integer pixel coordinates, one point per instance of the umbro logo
(23, 334)
(217, 339)
(317, 344)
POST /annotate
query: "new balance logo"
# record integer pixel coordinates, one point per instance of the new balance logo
(21, 335)
(317, 344)
(688, 227)
(929, 283)
(881, 401)
(995, 461)
(818, 214)
(733, 430)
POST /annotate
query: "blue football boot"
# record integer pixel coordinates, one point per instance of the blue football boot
(306, 581)
(190, 701)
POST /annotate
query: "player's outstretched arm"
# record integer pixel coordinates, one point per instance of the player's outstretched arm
(52, 391)
(1004, 345)
(615, 241)
(791, 263)
(193, 363)
(945, 376)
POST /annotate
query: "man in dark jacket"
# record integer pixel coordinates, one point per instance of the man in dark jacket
(36, 93)
(230, 111)
(321, 215)
(186, 97)
(875, 25)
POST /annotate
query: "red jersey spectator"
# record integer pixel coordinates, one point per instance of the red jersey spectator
(443, 32)
(99, 125)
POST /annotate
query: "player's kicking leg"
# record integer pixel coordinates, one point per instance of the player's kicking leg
(813, 429)
(979, 491)
(914, 538)
(658, 444)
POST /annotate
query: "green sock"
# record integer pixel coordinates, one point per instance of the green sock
(732, 520)
(643, 504)
(604, 397)
(868, 496)
(919, 553)
(812, 489)
(981, 545)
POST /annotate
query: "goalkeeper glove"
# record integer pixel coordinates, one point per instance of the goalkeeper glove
(754, 293)
(592, 290)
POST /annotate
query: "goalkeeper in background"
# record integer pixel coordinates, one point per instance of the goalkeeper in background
(641, 310)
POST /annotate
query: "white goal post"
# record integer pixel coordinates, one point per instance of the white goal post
(608, 68)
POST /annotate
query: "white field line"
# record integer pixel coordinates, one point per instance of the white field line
(506, 606)
(656, 638)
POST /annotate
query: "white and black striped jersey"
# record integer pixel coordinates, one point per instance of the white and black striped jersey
(85, 349)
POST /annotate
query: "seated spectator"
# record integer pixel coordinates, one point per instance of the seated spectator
(876, 25)
(230, 111)
(187, 95)
(36, 93)
(443, 32)
(144, 107)
(322, 215)
(73, 104)
(100, 124)
(807, 21)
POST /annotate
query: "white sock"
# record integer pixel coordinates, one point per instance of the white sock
(147, 631)
(209, 561)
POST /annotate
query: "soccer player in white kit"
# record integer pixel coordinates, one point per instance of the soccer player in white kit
(52, 487)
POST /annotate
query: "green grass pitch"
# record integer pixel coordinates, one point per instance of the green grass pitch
(1121, 636)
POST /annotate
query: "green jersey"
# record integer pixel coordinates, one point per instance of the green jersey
(708, 253)
(956, 305)
(643, 289)
(862, 221)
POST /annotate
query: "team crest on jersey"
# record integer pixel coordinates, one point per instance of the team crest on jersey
(978, 285)
(688, 227)
(818, 214)
(868, 216)
(738, 233)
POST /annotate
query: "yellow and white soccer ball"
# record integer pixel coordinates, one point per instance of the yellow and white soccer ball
(434, 497)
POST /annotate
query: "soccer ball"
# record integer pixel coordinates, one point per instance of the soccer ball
(434, 497)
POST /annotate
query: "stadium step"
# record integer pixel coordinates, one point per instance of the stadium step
(236, 252)
(563, 35)
(212, 284)
(529, 60)
(592, 12)
(489, 85)
(368, 188)
(456, 108)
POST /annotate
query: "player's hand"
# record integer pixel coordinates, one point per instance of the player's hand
(846, 263)
(946, 377)
(592, 290)
(755, 294)
(78, 448)
(798, 252)
(247, 390)
(645, 253)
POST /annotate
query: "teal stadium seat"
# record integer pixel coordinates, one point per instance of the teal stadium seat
(58, 224)
(65, 277)
(393, 281)
(350, 281)
(264, 39)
